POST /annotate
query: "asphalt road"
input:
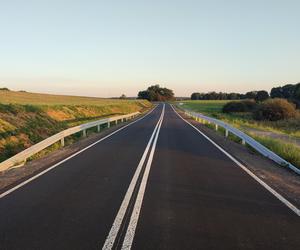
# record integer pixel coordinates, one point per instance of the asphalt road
(156, 184)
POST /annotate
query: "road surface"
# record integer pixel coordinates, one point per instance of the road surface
(156, 184)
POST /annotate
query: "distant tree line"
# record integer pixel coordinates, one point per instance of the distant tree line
(156, 93)
(257, 95)
(4, 89)
(289, 91)
(216, 96)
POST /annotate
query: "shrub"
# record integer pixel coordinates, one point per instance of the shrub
(261, 96)
(239, 106)
(274, 110)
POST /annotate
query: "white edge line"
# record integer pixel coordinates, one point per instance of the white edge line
(68, 158)
(110, 239)
(265, 185)
(130, 233)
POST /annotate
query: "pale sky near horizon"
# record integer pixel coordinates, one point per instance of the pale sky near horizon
(107, 48)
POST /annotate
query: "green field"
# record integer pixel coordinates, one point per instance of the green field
(282, 137)
(244, 121)
(205, 107)
(27, 118)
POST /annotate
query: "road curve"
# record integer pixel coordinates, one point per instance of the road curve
(156, 184)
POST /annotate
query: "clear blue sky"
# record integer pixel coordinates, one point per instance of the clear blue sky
(106, 48)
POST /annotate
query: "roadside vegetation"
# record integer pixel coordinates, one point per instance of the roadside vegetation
(288, 151)
(245, 120)
(273, 120)
(27, 118)
(286, 132)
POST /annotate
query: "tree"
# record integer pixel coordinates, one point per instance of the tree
(215, 96)
(251, 95)
(156, 93)
(288, 91)
(296, 93)
(195, 96)
(296, 97)
(277, 92)
(232, 96)
(5, 89)
(261, 95)
(123, 96)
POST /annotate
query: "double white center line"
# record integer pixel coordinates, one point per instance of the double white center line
(129, 236)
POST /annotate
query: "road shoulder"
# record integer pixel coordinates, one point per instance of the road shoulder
(284, 181)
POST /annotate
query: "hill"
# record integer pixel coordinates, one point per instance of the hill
(27, 118)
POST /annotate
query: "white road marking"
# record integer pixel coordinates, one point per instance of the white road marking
(127, 243)
(68, 158)
(266, 186)
(110, 240)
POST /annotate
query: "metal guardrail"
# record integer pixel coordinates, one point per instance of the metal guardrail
(20, 158)
(246, 139)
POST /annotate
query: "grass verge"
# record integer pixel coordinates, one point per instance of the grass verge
(288, 151)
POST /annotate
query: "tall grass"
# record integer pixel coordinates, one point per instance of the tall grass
(288, 151)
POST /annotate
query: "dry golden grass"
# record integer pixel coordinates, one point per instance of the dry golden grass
(17, 97)
(27, 118)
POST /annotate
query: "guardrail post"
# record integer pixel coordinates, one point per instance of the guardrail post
(226, 133)
(116, 122)
(62, 142)
(108, 124)
(98, 128)
(217, 127)
(84, 133)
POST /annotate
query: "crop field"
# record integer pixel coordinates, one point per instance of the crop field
(27, 118)
(282, 137)
(21, 97)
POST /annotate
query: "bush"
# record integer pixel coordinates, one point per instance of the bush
(239, 106)
(274, 110)
(261, 96)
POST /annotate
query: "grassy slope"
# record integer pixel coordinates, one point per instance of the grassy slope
(27, 118)
(288, 151)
